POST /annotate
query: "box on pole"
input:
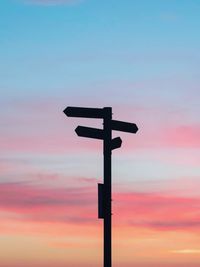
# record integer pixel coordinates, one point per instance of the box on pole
(100, 201)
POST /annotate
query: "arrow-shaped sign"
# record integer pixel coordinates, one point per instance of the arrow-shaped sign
(97, 113)
(116, 143)
(89, 132)
(124, 126)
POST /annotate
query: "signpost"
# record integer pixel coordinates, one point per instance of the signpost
(109, 144)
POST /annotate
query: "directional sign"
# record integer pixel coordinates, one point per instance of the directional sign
(116, 143)
(124, 126)
(97, 113)
(89, 132)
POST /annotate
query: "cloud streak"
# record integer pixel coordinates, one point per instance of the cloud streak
(48, 204)
(186, 251)
(79, 206)
(161, 212)
(52, 2)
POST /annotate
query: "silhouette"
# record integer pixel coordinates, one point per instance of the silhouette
(105, 134)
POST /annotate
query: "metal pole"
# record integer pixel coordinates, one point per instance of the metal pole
(107, 187)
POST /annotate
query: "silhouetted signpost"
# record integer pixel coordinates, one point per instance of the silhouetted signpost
(109, 144)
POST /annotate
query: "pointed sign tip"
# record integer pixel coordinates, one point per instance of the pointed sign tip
(65, 111)
(124, 126)
(77, 129)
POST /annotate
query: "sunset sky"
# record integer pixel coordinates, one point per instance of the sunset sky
(139, 57)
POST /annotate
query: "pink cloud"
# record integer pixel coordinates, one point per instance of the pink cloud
(170, 137)
(183, 136)
(158, 211)
(47, 204)
(58, 143)
(79, 206)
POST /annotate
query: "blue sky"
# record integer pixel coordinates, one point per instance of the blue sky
(61, 46)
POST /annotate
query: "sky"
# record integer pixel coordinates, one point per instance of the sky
(139, 57)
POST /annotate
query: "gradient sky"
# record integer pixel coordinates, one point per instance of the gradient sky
(142, 58)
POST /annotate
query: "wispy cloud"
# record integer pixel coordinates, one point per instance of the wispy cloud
(183, 136)
(52, 2)
(158, 211)
(79, 206)
(170, 17)
(48, 204)
(171, 136)
(186, 251)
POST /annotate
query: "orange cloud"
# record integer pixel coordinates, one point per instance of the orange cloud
(186, 251)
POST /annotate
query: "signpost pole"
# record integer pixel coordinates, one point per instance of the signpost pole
(107, 150)
(104, 190)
